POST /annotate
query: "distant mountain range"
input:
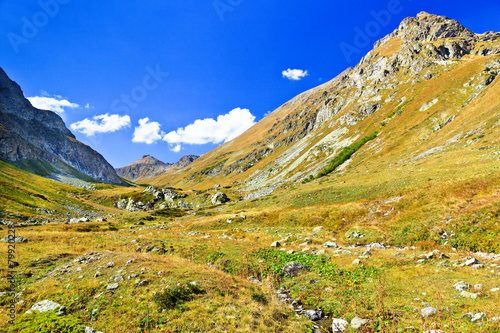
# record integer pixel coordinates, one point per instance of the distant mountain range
(148, 167)
(38, 141)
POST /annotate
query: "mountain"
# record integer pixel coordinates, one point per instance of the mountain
(425, 89)
(148, 167)
(38, 140)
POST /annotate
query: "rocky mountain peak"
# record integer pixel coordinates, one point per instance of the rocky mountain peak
(39, 141)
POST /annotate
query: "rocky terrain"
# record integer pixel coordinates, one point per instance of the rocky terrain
(149, 167)
(368, 204)
(38, 140)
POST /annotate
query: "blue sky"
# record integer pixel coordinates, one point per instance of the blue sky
(139, 77)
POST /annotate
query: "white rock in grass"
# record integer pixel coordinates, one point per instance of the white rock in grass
(47, 305)
(339, 325)
(428, 312)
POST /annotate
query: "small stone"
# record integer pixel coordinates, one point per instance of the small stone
(313, 315)
(478, 317)
(331, 244)
(366, 254)
(461, 286)
(429, 255)
(357, 322)
(97, 274)
(478, 266)
(293, 268)
(276, 244)
(356, 262)
(318, 229)
(478, 286)
(112, 286)
(428, 312)
(471, 262)
(290, 252)
(142, 283)
(494, 290)
(116, 278)
(339, 325)
(111, 264)
(468, 294)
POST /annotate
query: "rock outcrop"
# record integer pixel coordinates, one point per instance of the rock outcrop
(38, 140)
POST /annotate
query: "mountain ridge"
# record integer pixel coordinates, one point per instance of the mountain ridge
(39, 141)
(299, 138)
(148, 167)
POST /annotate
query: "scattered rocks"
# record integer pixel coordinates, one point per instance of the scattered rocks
(12, 239)
(293, 268)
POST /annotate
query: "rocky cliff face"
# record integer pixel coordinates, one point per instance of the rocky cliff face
(148, 167)
(416, 80)
(29, 136)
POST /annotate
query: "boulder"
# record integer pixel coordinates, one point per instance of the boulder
(293, 268)
(47, 305)
(313, 315)
(219, 198)
(331, 244)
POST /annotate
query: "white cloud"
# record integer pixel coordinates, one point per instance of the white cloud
(202, 131)
(176, 149)
(103, 123)
(147, 132)
(56, 104)
(294, 74)
(88, 106)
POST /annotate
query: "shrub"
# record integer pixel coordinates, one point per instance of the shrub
(171, 297)
(48, 322)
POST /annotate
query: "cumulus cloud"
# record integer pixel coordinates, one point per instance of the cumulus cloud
(103, 123)
(294, 74)
(147, 132)
(176, 148)
(208, 130)
(56, 103)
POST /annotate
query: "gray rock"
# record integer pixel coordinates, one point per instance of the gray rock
(313, 315)
(471, 262)
(339, 325)
(478, 317)
(428, 312)
(317, 229)
(293, 268)
(91, 330)
(461, 286)
(376, 246)
(468, 294)
(116, 278)
(47, 305)
(331, 244)
(112, 286)
(357, 322)
(219, 198)
(366, 254)
(276, 244)
(16, 239)
(356, 262)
